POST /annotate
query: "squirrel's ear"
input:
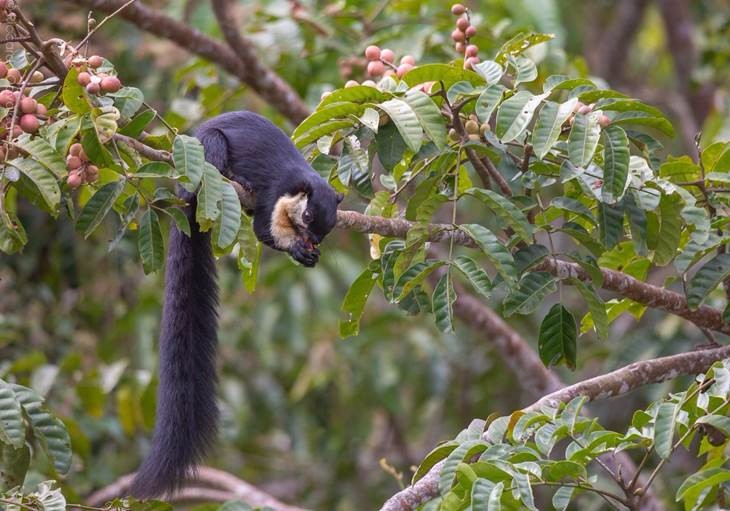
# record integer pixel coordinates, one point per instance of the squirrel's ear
(340, 196)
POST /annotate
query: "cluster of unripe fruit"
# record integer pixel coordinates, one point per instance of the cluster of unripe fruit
(93, 81)
(462, 33)
(381, 62)
(80, 170)
(30, 111)
(474, 130)
(583, 109)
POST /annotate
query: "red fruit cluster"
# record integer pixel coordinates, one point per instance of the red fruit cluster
(80, 170)
(381, 62)
(93, 81)
(462, 33)
(30, 112)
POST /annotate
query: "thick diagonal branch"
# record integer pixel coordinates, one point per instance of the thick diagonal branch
(246, 66)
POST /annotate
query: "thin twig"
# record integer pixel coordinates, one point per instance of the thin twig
(99, 25)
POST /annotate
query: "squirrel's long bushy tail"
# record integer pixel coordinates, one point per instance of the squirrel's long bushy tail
(187, 413)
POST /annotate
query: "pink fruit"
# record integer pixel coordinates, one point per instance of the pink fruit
(470, 31)
(3, 70)
(28, 105)
(458, 36)
(472, 50)
(29, 123)
(110, 84)
(95, 61)
(387, 55)
(462, 24)
(84, 78)
(458, 9)
(408, 59)
(74, 180)
(403, 69)
(93, 88)
(372, 52)
(375, 68)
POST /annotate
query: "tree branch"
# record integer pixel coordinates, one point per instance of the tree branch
(247, 67)
(624, 380)
(210, 485)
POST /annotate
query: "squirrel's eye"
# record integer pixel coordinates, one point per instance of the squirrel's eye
(307, 216)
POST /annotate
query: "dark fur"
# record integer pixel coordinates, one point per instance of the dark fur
(249, 149)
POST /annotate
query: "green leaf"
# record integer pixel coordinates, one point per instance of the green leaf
(189, 157)
(597, 308)
(49, 430)
(459, 91)
(209, 197)
(707, 279)
(154, 169)
(488, 101)
(230, 216)
(490, 70)
(616, 164)
(664, 429)
(12, 430)
(447, 476)
(583, 138)
(557, 337)
(437, 454)
(507, 212)
(44, 153)
(14, 463)
(413, 277)
(329, 112)
(443, 303)
(495, 498)
(574, 206)
(38, 184)
(73, 94)
(529, 293)
(720, 422)
(476, 276)
(355, 299)
(98, 206)
(515, 114)
(370, 118)
(149, 241)
(139, 122)
(521, 43)
(670, 229)
(480, 492)
(493, 249)
(428, 113)
(180, 219)
(440, 73)
(127, 100)
(406, 121)
(610, 223)
(550, 124)
(529, 256)
(325, 128)
(105, 122)
(692, 488)
(644, 119)
(525, 69)
(561, 498)
(357, 94)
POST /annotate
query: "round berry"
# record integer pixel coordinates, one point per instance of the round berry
(403, 69)
(324, 94)
(6, 99)
(41, 109)
(471, 50)
(387, 55)
(408, 59)
(484, 128)
(95, 61)
(110, 84)
(92, 173)
(37, 77)
(29, 123)
(17, 131)
(28, 105)
(470, 31)
(375, 68)
(3, 70)
(458, 9)
(74, 180)
(578, 106)
(604, 120)
(73, 162)
(389, 72)
(372, 52)
(75, 149)
(471, 62)
(351, 83)
(93, 88)
(83, 78)
(471, 126)
(458, 36)
(462, 24)
(585, 109)
(369, 83)
(13, 76)
(459, 47)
